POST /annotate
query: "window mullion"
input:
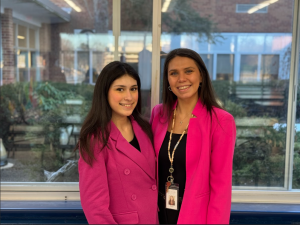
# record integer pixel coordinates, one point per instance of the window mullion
(116, 26)
(156, 33)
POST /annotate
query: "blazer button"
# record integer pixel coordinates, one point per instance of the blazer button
(127, 171)
(153, 187)
(133, 197)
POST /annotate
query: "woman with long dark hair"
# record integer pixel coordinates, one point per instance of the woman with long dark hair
(117, 161)
(194, 141)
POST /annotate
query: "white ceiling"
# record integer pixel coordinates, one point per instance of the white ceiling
(42, 11)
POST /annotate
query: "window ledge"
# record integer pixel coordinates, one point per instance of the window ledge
(238, 196)
(266, 196)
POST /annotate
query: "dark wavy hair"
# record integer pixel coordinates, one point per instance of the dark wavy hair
(96, 123)
(205, 93)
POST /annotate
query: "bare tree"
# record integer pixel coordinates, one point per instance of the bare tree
(180, 18)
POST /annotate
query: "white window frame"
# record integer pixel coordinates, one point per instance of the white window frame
(27, 48)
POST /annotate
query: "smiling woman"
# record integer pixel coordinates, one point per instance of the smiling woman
(194, 140)
(123, 96)
(110, 142)
(184, 78)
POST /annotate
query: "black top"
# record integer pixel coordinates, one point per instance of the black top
(164, 163)
(135, 143)
(170, 216)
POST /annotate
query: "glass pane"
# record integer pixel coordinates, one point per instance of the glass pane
(209, 61)
(31, 38)
(83, 71)
(22, 36)
(225, 66)
(33, 59)
(98, 61)
(249, 64)
(250, 75)
(67, 66)
(296, 165)
(23, 66)
(269, 67)
(136, 44)
(44, 98)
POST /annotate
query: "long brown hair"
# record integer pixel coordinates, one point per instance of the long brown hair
(205, 92)
(96, 123)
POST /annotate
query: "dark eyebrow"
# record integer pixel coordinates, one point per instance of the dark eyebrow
(123, 86)
(190, 67)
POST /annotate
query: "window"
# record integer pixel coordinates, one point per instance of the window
(244, 8)
(52, 60)
(225, 66)
(269, 67)
(22, 36)
(248, 70)
(248, 64)
(296, 135)
(208, 60)
(32, 41)
(27, 54)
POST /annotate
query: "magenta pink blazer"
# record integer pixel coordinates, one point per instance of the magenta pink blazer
(121, 185)
(209, 155)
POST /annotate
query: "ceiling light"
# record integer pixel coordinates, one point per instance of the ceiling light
(166, 5)
(21, 37)
(261, 5)
(73, 5)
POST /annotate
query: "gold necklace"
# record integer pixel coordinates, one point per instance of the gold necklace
(181, 121)
(171, 158)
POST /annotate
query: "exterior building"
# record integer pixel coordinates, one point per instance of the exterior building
(65, 44)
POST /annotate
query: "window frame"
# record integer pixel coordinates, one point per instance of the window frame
(18, 23)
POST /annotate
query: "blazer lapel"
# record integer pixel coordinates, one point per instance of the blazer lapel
(159, 129)
(146, 147)
(127, 149)
(195, 138)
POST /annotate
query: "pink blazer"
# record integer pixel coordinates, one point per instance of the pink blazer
(209, 155)
(121, 186)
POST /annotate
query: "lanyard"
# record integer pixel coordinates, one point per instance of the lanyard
(171, 158)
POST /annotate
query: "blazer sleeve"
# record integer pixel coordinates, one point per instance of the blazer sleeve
(94, 192)
(223, 142)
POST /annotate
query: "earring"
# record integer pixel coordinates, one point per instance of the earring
(200, 85)
(169, 88)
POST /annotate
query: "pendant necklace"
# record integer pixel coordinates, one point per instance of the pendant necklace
(181, 121)
(171, 157)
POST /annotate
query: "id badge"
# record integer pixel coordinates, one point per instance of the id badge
(172, 196)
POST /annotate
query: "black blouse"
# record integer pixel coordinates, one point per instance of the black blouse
(135, 143)
(170, 216)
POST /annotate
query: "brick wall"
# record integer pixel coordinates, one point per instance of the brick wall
(45, 49)
(8, 48)
(53, 61)
(278, 19)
